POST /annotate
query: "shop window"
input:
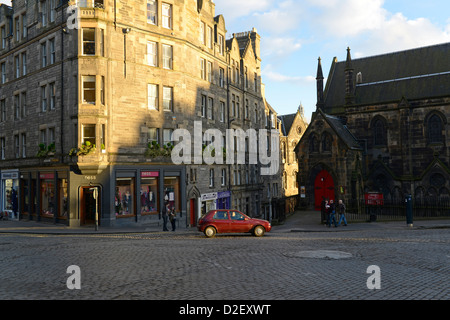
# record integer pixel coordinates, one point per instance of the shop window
(172, 193)
(149, 194)
(47, 194)
(124, 201)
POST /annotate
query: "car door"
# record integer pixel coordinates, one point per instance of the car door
(239, 222)
(221, 221)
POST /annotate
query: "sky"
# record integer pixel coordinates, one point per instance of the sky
(295, 33)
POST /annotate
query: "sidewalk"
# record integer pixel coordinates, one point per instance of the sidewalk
(309, 221)
(300, 221)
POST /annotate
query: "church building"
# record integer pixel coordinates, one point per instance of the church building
(381, 126)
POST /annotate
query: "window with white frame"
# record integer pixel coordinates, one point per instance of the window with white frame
(221, 77)
(3, 68)
(202, 32)
(24, 63)
(52, 98)
(43, 54)
(24, 26)
(23, 104)
(88, 83)
(153, 135)
(44, 98)
(24, 145)
(88, 41)
(209, 37)
(152, 53)
(167, 56)
(222, 111)
(166, 12)
(16, 106)
(2, 110)
(43, 136)
(88, 133)
(152, 12)
(51, 43)
(44, 13)
(203, 106)
(211, 177)
(167, 98)
(167, 136)
(17, 65)
(220, 40)
(152, 96)
(2, 148)
(17, 145)
(223, 177)
(209, 72)
(203, 68)
(210, 111)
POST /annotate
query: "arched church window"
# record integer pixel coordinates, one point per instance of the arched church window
(379, 133)
(434, 126)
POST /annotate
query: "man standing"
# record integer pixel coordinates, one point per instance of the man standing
(341, 210)
(165, 211)
(332, 214)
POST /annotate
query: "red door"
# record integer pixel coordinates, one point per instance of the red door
(192, 212)
(323, 188)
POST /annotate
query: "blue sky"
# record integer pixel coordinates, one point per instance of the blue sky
(294, 33)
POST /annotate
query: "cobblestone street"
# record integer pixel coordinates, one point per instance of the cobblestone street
(283, 265)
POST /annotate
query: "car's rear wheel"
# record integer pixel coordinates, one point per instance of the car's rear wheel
(210, 232)
(259, 231)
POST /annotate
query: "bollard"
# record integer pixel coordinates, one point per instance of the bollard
(409, 210)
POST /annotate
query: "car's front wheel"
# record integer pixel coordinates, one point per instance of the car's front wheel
(259, 231)
(210, 232)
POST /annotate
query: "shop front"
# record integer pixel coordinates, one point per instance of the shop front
(9, 195)
(139, 194)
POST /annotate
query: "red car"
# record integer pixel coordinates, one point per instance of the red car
(231, 221)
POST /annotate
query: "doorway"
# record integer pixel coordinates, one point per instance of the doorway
(323, 188)
(192, 211)
(89, 204)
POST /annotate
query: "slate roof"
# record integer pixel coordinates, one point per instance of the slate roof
(286, 122)
(413, 74)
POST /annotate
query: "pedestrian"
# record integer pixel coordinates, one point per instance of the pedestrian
(326, 209)
(332, 214)
(341, 210)
(165, 212)
(173, 219)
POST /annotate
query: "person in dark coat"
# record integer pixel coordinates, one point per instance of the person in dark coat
(165, 211)
(332, 215)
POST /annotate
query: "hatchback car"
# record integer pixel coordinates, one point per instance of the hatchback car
(231, 221)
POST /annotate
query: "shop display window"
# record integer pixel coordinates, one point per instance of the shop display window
(149, 194)
(172, 193)
(124, 200)
(47, 194)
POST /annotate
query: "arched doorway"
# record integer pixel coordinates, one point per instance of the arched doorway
(323, 188)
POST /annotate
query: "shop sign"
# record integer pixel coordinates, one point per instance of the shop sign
(44, 176)
(208, 196)
(10, 175)
(146, 174)
(224, 194)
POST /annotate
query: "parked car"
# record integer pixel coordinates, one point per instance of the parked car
(231, 221)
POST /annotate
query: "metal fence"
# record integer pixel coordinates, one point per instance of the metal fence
(395, 209)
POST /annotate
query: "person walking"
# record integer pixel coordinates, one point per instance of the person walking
(341, 210)
(332, 218)
(165, 212)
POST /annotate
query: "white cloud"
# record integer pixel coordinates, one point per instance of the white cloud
(279, 46)
(270, 74)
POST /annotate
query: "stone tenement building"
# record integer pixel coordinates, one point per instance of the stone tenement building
(381, 125)
(90, 97)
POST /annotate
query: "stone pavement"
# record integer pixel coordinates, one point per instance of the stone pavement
(300, 221)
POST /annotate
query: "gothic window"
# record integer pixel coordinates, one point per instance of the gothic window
(434, 126)
(313, 144)
(379, 133)
(326, 142)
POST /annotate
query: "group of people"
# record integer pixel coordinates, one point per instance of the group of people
(168, 214)
(329, 211)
